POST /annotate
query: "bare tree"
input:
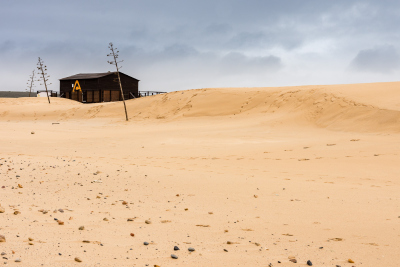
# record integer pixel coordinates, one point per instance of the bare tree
(30, 82)
(45, 77)
(114, 54)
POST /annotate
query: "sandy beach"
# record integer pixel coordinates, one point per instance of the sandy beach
(244, 176)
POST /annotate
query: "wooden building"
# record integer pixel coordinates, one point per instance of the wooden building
(98, 87)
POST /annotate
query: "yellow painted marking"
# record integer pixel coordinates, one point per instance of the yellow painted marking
(77, 87)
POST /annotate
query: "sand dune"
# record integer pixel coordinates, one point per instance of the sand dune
(245, 176)
(360, 107)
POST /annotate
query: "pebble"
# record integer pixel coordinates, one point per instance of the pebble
(130, 219)
(350, 261)
(18, 260)
(191, 249)
(145, 243)
(147, 221)
(105, 219)
(176, 248)
(2, 210)
(3, 253)
(174, 256)
(16, 212)
(81, 227)
(309, 263)
(2, 238)
(78, 259)
(225, 250)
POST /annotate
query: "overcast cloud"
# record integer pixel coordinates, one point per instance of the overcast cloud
(176, 44)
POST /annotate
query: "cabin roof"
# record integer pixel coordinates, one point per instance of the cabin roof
(91, 76)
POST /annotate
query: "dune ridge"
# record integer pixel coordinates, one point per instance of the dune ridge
(335, 107)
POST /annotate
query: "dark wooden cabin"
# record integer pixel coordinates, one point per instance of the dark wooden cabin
(98, 87)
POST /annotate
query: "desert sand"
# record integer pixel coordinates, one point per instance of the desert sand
(245, 176)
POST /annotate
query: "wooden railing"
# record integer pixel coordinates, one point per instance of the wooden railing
(149, 93)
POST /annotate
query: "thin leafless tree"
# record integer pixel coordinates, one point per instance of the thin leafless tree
(45, 77)
(114, 53)
(30, 82)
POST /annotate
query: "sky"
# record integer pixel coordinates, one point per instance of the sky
(172, 45)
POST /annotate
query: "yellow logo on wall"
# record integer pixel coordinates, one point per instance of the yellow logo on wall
(77, 87)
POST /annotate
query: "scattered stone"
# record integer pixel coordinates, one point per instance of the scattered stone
(86, 241)
(147, 221)
(20, 186)
(176, 248)
(350, 261)
(2, 238)
(146, 243)
(191, 249)
(105, 219)
(81, 227)
(78, 259)
(60, 222)
(30, 239)
(174, 256)
(16, 212)
(293, 260)
(309, 263)
(229, 242)
(18, 260)
(257, 244)
(3, 253)
(225, 250)
(61, 210)
(32, 132)
(2, 210)
(130, 219)
(132, 234)
(124, 202)
(30, 243)
(255, 196)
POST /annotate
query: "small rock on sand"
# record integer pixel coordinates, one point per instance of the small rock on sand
(147, 221)
(191, 249)
(174, 256)
(146, 243)
(81, 227)
(18, 260)
(309, 263)
(2, 210)
(2, 238)
(176, 248)
(78, 259)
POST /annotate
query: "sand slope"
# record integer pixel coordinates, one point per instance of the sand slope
(360, 107)
(308, 172)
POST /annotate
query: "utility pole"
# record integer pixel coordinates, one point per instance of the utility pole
(114, 54)
(42, 68)
(31, 79)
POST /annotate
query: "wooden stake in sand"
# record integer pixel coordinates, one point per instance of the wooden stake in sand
(114, 54)
(30, 82)
(44, 75)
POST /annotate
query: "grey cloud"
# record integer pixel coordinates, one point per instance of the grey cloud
(234, 63)
(381, 59)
